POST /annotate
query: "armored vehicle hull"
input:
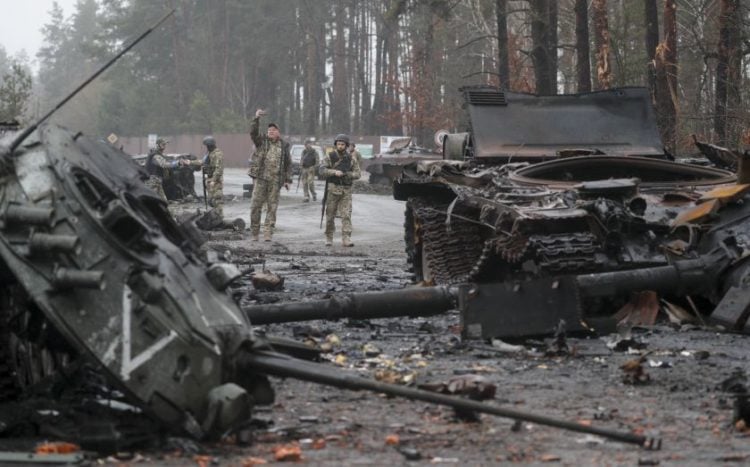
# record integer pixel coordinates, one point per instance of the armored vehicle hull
(548, 185)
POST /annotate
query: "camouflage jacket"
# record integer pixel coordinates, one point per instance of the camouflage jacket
(157, 165)
(214, 166)
(263, 146)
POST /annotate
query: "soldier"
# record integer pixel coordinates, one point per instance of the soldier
(158, 167)
(340, 170)
(213, 167)
(271, 166)
(309, 162)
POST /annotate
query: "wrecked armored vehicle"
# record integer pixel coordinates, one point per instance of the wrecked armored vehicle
(386, 167)
(547, 188)
(94, 271)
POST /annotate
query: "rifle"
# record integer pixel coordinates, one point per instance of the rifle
(323, 209)
(299, 177)
(205, 196)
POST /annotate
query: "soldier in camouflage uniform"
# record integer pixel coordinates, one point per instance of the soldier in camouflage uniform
(340, 170)
(271, 166)
(158, 167)
(309, 163)
(213, 168)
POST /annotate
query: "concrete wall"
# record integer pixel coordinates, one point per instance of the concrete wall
(237, 147)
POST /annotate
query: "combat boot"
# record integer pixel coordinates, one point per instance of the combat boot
(306, 200)
(255, 237)
(329, 240)
(315, 198)
(346, 241)
(267, 236)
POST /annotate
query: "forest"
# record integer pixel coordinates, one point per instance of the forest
(376, 67)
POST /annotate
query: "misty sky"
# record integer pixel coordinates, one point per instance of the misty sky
(23, 21)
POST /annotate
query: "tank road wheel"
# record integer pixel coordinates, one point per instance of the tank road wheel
(435, 255)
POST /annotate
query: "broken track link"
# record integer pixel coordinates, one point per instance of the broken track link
(449, 257)
(565, 253)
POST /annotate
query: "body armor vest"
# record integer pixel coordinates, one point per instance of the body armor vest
(153, 169)
(343, 164)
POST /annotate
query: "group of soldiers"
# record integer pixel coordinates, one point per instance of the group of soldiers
(212, 164)
(271, 169)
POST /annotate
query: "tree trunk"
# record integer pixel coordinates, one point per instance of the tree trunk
(652, 41)
(728, 72)
(340, 116)
(387, 106)
(503, 67)
(543, 53)
(601, 41)
(666, 78)
(583, 51)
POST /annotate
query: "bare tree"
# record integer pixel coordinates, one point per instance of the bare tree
(583, 50)
(602, 43)
(544, 48)
(503, 67)
(728, 72)
(666, 78)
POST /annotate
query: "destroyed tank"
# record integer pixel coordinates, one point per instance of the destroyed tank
(95, 272)
(546, 185)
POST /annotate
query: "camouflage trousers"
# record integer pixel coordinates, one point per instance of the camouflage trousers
(155, 184)
(308, 181)
(339, 204)
(265, 193)
(215, 195)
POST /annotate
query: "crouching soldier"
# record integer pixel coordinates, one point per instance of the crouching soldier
(340, 170)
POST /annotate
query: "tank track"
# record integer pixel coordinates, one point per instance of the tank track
(462, 255)
(449, 256)
(567, 253)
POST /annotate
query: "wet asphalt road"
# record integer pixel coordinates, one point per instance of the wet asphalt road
(377, 219)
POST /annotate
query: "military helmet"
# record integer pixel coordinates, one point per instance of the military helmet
(341, 137)
(161, 141)
(209, 141)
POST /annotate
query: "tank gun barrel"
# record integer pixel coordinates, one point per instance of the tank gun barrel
(422, 301)
(694, 275)
(283, 366)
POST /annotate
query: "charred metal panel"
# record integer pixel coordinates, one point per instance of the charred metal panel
(513, 309)
(616, 122)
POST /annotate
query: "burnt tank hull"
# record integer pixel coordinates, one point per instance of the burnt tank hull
(97, 256)
(549, 185)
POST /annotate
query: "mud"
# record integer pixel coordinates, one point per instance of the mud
(683, 402)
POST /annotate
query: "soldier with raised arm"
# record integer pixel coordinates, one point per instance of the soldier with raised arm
(271, 167)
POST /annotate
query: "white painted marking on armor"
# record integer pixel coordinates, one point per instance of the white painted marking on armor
(127, 307)
(147, 354)
(129, 364)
